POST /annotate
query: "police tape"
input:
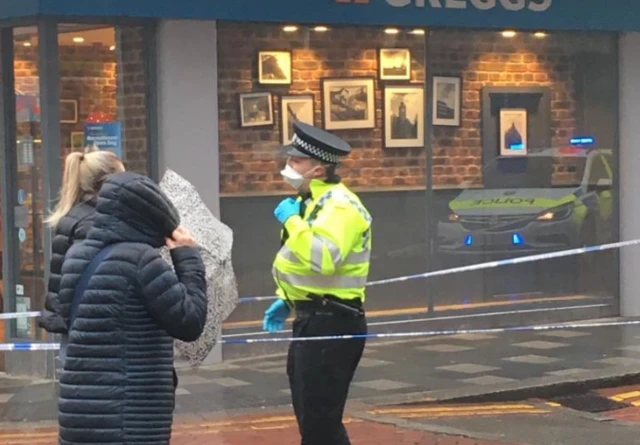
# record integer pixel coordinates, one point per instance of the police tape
(451, 332)
(14, 315)
(454, 270)
(482, 266)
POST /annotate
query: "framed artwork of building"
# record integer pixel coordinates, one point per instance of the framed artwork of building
(256, 109)
(294, 109)
(513, 132)
(394, 63)
(274, 67)
(404, 116)
(447, 101)
(349, 103)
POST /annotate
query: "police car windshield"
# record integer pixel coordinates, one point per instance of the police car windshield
(536, 171)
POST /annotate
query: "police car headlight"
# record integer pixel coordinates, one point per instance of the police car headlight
(555, 214)
(453, 216)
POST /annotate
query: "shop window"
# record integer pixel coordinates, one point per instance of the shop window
(510, 117)
(102, 102)
(103, 91)
(518, 163)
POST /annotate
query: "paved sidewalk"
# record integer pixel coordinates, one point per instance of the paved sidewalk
(390, 372)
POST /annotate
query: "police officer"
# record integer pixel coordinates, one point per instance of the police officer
(320, 270)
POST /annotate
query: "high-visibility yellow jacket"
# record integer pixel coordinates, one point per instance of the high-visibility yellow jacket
(328, 250)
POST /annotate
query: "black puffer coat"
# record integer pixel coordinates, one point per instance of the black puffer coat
(71, 228)
(117, 384)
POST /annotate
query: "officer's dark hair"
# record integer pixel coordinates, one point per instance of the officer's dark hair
(332, 176)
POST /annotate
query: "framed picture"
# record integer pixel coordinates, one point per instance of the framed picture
(394, 63)
(256, 109)
(513, 132)
(349, 103)
(68, 111)
(447, 101)
(77, 140)
(294, 109)
(404, 116)
(274, 67)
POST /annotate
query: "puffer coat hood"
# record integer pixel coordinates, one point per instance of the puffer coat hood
(131, 207)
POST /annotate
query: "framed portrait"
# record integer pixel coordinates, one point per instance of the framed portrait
(256, 109)
(274, 67)
(77, 140)
(404, 116)
(349, 103)
(68, 111)
(394, 63)
(294, 109)
(513, 132)
(447, 101)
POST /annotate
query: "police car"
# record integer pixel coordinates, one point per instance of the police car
(553, 199)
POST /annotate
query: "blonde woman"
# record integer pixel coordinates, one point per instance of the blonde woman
(72, 218)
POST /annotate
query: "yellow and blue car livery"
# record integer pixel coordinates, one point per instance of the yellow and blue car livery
(545, 214)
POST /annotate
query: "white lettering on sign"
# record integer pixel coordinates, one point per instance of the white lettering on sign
(509, 5)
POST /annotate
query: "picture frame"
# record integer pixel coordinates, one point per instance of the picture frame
(256, 109)
(76, 141)
(404, 116)
(394, 63)
(295, 108)
(68, 111)
(513, 132)
(447, 100)
(348, 103)
(274, 67)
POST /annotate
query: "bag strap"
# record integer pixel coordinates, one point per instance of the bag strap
(84, 280)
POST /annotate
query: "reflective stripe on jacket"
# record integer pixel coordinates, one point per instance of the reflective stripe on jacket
(329, 249)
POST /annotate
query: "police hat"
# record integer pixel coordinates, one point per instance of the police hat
(313, 142)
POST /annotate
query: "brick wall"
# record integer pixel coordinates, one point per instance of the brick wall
(485, 58)
(248, 155)
(132, 103)
(481, 58)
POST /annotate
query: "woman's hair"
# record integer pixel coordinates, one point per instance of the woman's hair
(83, 176)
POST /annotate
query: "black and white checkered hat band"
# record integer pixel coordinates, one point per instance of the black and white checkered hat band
(305, 147)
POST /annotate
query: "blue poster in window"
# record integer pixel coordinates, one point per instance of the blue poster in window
(105, 136)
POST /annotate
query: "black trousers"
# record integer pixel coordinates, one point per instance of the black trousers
(320, 373)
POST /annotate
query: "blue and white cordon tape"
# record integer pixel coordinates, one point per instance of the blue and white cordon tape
(480, 266)
(56, 346)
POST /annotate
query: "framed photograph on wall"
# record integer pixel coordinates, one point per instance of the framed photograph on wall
(349, 103)
(256, 109)
(68, 111)
(294, 109)
(394, 63)
(403, 116)
(513, 132)
(274, 67)
(77, 140)
(447, 101)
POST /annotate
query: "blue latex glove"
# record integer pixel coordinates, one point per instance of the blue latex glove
(286, 209)
(275, 316)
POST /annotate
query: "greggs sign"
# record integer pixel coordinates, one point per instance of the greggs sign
(483, 5)
(509, 5)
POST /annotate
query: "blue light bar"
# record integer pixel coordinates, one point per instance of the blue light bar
(582, 140)
(468, 240)
(516, 147)
(517, 239)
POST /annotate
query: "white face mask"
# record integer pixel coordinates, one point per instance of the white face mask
(292, 177)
